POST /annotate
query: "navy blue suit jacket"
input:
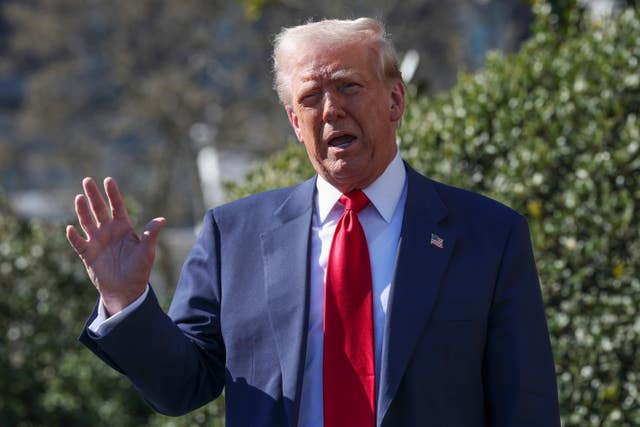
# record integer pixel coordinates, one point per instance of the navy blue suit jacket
(465, 344)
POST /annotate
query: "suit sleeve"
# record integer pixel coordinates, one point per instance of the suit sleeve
(176, 361)
(519, 372)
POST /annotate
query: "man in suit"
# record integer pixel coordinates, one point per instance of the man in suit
(452, 329)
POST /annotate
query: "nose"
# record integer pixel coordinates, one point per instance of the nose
(332, 108)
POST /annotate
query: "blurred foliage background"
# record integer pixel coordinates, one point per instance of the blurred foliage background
(552, 130)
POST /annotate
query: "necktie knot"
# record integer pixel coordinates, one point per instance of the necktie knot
(355, 200)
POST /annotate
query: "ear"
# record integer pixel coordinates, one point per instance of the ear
(396, 108)
(293, 119)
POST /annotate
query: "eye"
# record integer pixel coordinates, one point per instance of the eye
(349, 88)
(309, 98)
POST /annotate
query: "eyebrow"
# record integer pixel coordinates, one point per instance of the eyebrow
(341, 74)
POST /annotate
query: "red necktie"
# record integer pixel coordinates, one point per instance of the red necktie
(348, 362)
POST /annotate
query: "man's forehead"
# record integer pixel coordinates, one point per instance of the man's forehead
(332, 64)
(335, 71)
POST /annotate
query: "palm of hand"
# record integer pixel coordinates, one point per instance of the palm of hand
(117, 260)
(116, 255)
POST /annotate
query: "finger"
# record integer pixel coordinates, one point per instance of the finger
(118, 208)
(152, 230)
(87, 222)
(98, 205)
(77, 242)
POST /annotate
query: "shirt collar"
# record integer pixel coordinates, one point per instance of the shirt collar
(384, 193)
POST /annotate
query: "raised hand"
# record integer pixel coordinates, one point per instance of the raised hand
(117, 260)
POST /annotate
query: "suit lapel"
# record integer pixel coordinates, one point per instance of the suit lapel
(420, 266)
(285, 250)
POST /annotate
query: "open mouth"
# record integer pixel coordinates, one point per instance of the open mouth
(342, 141)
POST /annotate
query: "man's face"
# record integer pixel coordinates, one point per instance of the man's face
(345, 114)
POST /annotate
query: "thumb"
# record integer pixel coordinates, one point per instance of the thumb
(152, 230)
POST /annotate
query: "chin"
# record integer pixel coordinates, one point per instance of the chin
(348, 181)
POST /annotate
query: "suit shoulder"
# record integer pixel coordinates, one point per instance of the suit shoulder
(472, 204)
(275, 197)
(259, 205)
(481, 219)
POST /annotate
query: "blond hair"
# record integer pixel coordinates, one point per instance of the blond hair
(326, 34)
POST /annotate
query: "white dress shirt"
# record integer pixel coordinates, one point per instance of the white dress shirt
(102, 324)
(382, 221)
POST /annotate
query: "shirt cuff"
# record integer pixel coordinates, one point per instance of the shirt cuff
(103, 324)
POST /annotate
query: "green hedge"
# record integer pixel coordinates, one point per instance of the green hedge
(554, 132)
(47, 378)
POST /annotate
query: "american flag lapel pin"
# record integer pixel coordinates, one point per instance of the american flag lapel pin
(437, 241)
